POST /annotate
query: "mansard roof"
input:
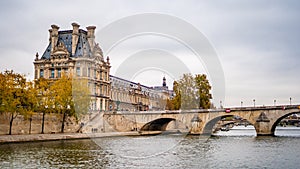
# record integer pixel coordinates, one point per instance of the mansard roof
(82, 47)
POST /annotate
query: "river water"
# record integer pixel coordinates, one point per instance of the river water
(237, 148)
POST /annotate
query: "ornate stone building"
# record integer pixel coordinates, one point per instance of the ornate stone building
(74, 52)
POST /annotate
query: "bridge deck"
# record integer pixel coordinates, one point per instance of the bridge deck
(279, 107)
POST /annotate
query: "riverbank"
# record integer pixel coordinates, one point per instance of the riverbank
(61, 136)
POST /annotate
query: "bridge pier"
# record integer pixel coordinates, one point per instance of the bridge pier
(263, 129)
(196, 126)
(263, 126)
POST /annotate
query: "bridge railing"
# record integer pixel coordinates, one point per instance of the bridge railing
(279, 107)
(229, 109)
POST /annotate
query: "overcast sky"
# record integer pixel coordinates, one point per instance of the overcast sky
(257, 41)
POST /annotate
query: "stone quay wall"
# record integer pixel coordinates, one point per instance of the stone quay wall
(52, 124)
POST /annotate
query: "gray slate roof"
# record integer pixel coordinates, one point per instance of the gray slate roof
(82, 46)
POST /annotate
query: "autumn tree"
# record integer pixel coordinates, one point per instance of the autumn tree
(81, 96)
(191, 93)
(188, 91)
(16, 96)
(175, 102)
(44, 103)
(71, 97)
(169, 105)
(61, 94)
(203, 88)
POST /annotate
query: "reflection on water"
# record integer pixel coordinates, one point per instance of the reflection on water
(290, 131)
(52, 154)
(164, 151)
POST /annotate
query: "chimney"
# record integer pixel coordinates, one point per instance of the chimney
(91, 36)
(75, 36)
(50, 34)
(54, 36)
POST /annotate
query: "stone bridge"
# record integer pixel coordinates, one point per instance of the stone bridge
(199, 121)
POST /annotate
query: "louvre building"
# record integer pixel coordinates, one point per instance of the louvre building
(75, 53)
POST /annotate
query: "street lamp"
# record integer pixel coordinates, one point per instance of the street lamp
(254, 102)
(43, 121)
(241, 103)
(274, 102)
(221, 104)
(290, 101)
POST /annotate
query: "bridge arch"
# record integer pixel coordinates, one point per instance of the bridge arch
(281, 118)
(157, 124)
(208, 127)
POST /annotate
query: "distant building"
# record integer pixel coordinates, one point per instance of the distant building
(164, 90)
(131, 96)
(75, 53)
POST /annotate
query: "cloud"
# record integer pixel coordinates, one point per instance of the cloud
(257, 41)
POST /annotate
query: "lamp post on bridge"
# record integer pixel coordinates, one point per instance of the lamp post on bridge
(254, 102)
(221, 104)
(275, 102)
(290, 101)
(242, 103)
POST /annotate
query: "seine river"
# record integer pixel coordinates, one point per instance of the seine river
(237, 148)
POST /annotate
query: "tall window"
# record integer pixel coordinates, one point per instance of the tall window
(94, 89)
(58, 73)
(101, 89)
(89, 72)
(105, 76)
(52, 73)
(101, 103)
(104, 91)
(78, 71)
(41, 73)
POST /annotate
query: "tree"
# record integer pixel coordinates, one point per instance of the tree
(71, 97)
(203, 88)
(61, 94)
(44, 103)
(81, 96)
(191, 93)
(16, 96)
(176, 101)
(30, 102)
(169, 105)
(188, 92)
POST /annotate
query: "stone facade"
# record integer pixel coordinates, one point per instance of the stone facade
(75, 53)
